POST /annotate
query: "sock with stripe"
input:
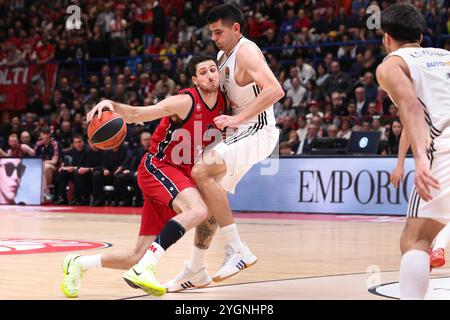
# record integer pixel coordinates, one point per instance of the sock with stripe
(171, 233)
(442, 238)
(232, 238)
(414, 275)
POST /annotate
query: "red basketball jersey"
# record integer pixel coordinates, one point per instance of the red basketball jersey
(182, 143)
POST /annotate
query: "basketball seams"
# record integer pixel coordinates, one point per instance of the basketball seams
(99, 127)
(113, 137)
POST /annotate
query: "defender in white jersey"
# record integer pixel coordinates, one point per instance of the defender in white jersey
(252, 89)
(418, 81)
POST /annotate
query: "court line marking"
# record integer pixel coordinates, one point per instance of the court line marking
(273, 280)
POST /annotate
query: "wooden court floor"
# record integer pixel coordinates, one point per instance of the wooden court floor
(312, 257)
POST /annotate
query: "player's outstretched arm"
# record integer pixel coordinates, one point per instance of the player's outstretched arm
(393, 78)
(398, 173)
(177, 105)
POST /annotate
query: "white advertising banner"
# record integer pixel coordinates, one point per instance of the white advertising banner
(341, 185)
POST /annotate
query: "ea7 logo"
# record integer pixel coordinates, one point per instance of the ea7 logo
(374, 20)
(74, 20)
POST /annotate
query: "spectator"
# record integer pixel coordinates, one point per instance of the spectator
(337, 104)
(370, 88)
(345, 130)
(25, 138)
(337, 81)
(302, 128)
(50, 151)
(77, 158)
(114, 162)
(293, 73)
(17, 149)
(284, 109)
(394, 137)
(45, 51)
(305, 145)
(332, 131)
(305, 71)
(286, 149)
(322, 75)
(294, 141)
(296, 92)
(362, 104)
(313, 111)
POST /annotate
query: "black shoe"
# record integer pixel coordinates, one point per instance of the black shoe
(97, 203)
(74, 202)
(61, 201)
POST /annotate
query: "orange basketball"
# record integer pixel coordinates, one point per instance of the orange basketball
(107, 132)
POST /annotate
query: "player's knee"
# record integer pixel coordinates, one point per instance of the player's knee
(199, 215)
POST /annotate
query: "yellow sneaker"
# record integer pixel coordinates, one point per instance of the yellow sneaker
(144, 277)
(72, 273)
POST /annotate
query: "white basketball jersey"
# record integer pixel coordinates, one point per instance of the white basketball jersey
(430, 73)
(241, 96)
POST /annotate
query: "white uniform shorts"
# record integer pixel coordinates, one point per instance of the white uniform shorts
(439, 207)
(246, 147)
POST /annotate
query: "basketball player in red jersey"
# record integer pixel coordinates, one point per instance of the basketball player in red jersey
(172, 204)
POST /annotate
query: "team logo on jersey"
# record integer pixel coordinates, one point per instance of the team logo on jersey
(23, 246)
(198, 107)
(227, 73)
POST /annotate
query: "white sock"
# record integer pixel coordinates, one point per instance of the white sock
(232, 238)
(414, 275)
(153, 254)
(90, 261)
(197, 260)
(442, 238)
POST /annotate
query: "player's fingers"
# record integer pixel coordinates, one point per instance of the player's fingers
(433, 182)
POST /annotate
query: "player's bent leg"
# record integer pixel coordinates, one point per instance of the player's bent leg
(194, 274)
(74, 265)
(415, 242)
(206, 174)
(191, 211)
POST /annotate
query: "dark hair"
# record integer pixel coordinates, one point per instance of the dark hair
(195, 60)
(403, 22)
(227, 13)
(46, 130)
(77, 136)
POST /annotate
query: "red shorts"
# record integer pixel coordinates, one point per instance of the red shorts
(160, 182)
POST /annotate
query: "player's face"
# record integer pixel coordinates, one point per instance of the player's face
(11, 171)
(207, 76)
(223, 34)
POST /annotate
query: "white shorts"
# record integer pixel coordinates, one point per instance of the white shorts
(439, 207)
(246, 147)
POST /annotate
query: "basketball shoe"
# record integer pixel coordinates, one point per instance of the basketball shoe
(437, 258)
(188, 279)
(72, 273)
(144, 277)
(235, 262)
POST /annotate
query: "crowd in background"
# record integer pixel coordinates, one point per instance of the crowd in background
(331, 91)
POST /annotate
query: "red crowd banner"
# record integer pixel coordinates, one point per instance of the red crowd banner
(20, 83)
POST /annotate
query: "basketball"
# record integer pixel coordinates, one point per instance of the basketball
(107, 132)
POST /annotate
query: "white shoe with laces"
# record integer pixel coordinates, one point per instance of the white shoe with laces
(235, 262)
(188, 279)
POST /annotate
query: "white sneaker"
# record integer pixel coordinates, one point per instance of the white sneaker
(188, 279)
(235, 263)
